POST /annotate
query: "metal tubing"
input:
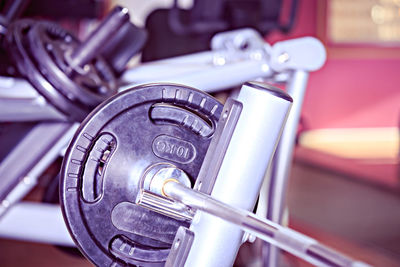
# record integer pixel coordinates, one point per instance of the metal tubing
(249, 153)
(19, 101)
(207, 76)
(28, 109)
(38, 150)
(16, 88)
(91, 47)
(36, 222)
(291, 241)
(162, 68)
(283, 157)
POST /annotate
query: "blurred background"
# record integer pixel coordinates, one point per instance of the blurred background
(345, 182)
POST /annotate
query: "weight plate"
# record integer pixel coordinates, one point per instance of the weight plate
(120, 142)
(50, 43)
(18, 47)
(36, 51)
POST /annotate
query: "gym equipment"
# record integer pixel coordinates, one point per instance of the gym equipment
(38, 149)
(71, 77)
(225, 66)
(296, 243)
(136, 134)
(282, 62)
(128, 174)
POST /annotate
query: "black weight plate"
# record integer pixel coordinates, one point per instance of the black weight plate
(105, 162)
(50, 43)
(18, 47)
(37, 51)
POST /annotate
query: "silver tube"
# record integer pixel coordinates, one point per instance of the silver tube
(282, 162)
(16, 88)
(19, 177)
(249, 153)
(293, 242)
(210, 70)
(35, 222)
(283, 156)
(213, 78)
(19, 101)
(160, 69)
(93, 45)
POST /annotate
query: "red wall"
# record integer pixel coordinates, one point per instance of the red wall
(354, 90)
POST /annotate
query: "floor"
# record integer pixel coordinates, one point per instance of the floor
(353, 217)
